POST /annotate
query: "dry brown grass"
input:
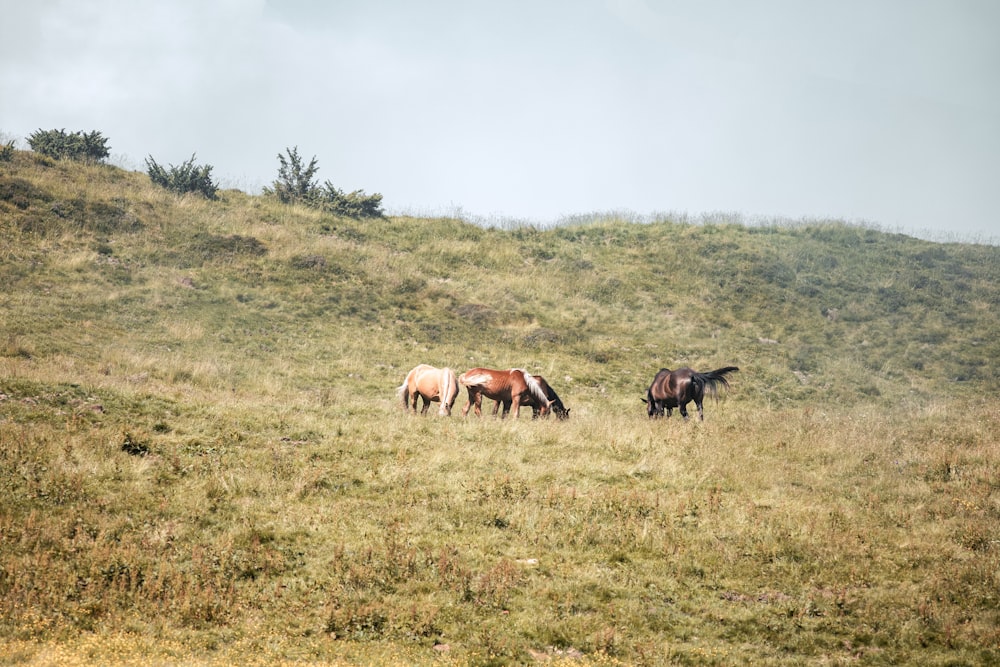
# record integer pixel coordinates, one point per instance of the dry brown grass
(202, 459)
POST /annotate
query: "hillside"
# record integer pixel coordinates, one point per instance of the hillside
(824, 312)
(202, 451)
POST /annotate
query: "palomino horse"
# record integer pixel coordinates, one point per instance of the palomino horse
(555, 404)
(430, 384)
(675, 389)
(511, 387)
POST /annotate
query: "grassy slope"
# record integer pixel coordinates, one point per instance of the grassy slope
(840, 502)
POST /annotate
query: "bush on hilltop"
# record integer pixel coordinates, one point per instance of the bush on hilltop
(186, 177)
(81, 146)
(296, 184)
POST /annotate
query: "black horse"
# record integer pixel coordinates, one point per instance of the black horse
(675, 389)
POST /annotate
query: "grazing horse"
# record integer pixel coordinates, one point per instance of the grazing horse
(555, 403)
(430, 384)
(675, 389)
(511, 387)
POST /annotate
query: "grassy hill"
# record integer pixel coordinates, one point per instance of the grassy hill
(202, 457)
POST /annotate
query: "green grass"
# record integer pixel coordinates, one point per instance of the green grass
(202, 458)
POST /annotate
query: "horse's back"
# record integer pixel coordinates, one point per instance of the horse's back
(417, 371)
(434, 379)
(681, 379)
(424, 369)
(663, 383)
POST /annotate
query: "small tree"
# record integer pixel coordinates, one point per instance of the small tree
(295, 183)
(58, 144)
(187, 177)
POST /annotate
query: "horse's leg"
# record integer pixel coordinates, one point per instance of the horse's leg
(465, 410)
(515, 405)
(427, 404)
(683, 405)
(496, 407)
(479, 404)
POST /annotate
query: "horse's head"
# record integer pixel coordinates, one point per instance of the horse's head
(652, 408)
(560, 410)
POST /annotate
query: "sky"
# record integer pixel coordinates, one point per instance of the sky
(879, 112)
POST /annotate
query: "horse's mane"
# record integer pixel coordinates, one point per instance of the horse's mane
(534, 386)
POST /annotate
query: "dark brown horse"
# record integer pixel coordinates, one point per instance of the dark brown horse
(537, 409)
(510, 387)
(430, 384)
(675, 389)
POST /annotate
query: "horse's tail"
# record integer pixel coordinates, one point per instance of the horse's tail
(535, 387)
(712, 379)
(447, 390)
(403, 390)
(470, 379)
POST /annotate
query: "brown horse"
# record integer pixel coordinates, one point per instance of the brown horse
(675, 389)
(511, 387)
(538, 410)
(431, 384)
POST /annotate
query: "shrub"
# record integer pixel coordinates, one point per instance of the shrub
(296, 184)
(186, 177)
(353, 204)
(7, 151)
(58, 144)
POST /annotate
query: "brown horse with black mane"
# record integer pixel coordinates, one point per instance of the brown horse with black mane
(537, 409)
(675, 389)
(510, 387)
(431, 384)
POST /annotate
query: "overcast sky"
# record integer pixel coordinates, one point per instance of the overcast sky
(878, 111)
